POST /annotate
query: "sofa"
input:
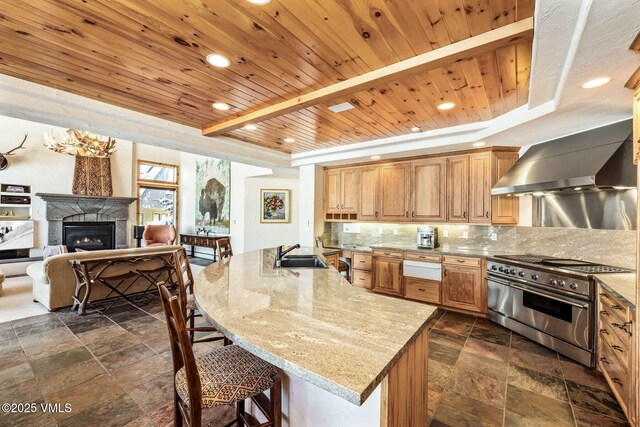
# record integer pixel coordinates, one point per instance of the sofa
(54, 281)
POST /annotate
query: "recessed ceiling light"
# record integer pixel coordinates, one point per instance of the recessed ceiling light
(578, 188)
(375, 157)
(218, 60)
(220, 106)
(600, 81)
(289, 140)
(415, 129)
(259, 2)
(250, 127)
(538, 193)
(446, 106)
(339, 108)
(479, 144)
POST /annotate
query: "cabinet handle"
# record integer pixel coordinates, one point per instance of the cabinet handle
(445, 272)
(338, 206)
(362, 261)
(487, 214)
(616, 380)
(413, 214)
(461, 260)
(604, 331)
(421, 289)
(387, 253)
(617, 307)
(464, 214)
(604, 313)
(376, 214)
(407, 214)
(603, 295)
(604, 360)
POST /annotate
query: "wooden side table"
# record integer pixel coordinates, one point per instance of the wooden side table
(202, 240)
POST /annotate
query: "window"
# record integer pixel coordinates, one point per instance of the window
(157, 193)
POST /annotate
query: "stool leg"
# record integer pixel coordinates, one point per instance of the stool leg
(275, 399)
(239, 411)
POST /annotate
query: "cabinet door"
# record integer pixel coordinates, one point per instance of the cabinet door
(504, 209)
(428, 191)
(462, 288)
(458, 188)
(387, 275)
(349, 190)
(332, 191)
(395, 186)
(636, 126)
(369, 193)
(480, 187)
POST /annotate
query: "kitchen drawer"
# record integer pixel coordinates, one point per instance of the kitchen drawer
(610, 303)
(620, 348)
(361, 262)
(617, 376)
(361, 279)
(387, 253)
(417, 256)
(461, 260)
(422, 290)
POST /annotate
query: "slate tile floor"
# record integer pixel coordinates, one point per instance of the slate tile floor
(116, 370)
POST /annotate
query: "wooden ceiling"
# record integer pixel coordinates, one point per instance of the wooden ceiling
(149, 56)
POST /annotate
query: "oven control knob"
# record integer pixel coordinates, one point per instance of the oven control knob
(493, 267)
(573, 286)
(534, 277)
(521, 274)
(553, 282)
(512, 271)
(561, 283)
(501, 269)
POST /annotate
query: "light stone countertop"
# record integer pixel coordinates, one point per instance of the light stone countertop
(622, 285)
(445, 250)
(311, 323)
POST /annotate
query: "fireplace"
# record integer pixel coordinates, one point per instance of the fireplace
(89, 236)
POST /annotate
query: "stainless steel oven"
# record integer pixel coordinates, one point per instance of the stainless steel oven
(559, 320)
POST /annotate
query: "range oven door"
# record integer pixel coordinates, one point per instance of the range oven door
(500, 296)
(560, 316)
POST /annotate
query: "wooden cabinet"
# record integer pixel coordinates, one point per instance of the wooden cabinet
(505, 210)
(332, 260)
(458, 188)
(462, 285)
(422, 290)
(395, 191)
(369, 193)
(387, 273)
(341, 194)
(361, 269)
(480, 187)
(615, 323)
(428, 190)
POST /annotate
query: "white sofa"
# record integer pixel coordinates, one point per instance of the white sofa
(54, 282)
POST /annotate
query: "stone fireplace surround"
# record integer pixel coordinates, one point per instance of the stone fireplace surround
(77, 208)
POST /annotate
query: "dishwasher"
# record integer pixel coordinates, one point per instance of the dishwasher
(422, 280)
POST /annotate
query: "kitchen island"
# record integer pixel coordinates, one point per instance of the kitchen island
(347, 356)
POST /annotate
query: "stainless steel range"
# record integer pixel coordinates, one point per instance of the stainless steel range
(549, 300)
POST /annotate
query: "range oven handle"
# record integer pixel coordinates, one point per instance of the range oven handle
(583, 306)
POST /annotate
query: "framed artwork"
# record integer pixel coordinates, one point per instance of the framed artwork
(276, 206)
(213, 179)
(16, 235)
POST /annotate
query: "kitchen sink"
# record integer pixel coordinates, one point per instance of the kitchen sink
(302, 261)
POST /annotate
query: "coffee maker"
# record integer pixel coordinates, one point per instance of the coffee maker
(427, 237)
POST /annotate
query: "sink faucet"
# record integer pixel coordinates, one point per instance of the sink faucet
(280, 253)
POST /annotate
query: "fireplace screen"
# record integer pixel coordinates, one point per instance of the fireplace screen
(89, 236)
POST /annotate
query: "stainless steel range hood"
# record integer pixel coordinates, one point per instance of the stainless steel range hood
(600, 157)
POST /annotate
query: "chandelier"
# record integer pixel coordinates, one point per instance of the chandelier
(81, 143)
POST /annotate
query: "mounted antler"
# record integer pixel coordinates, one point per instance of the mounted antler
(4, 163)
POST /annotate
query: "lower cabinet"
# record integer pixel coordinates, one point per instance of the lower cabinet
(387, 274)
(615, 322)
(462, 288)
(361, 270)
(422, 290)
(332, 260)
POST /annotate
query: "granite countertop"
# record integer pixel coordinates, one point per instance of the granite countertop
(622, 285)
(445, 250)
(366, 249)
(311, 323)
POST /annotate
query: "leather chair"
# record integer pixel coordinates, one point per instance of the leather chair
(159, 235)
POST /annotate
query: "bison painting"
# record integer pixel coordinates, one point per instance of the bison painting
(212, 201)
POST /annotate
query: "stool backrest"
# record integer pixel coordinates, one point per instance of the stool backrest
(183, 276)
(224, 248)
(182, 354)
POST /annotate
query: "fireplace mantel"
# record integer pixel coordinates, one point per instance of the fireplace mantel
(73, 207)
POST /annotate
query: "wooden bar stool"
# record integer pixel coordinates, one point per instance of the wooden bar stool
(184, 280)
(224, 248)
(225, 376)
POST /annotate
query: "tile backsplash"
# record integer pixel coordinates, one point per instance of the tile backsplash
(614, 247)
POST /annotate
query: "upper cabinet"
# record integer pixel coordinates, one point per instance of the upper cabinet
(369, 193)
(395, 191)
(446, 188)
(341, 194)
(428, 194)
(458, 188)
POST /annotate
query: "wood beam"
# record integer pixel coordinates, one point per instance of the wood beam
(476, 45)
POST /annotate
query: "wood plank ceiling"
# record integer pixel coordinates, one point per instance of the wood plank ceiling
(149, 56)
